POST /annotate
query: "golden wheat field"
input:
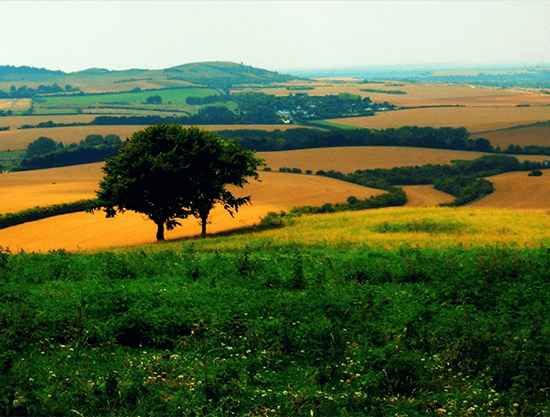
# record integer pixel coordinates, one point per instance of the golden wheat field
(425, 196)
(416, 94)
(274, 192)
(475, 119)
(518, 191)
(537, 136)
(350, 159)
(15, 104)
(15, 122)
(485, 109)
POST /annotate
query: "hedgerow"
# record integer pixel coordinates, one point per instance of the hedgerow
(38, 213)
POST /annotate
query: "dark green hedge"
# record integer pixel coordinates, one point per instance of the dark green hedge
(38, 213)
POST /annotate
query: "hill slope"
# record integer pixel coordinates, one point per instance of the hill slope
(223, 74)
(214, 74)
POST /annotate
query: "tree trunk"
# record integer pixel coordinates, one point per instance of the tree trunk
(204, 221)
(160, 231)
(203, 226)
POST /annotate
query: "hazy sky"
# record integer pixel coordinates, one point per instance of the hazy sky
(76, 35)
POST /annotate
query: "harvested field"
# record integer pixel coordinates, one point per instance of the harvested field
(425, 195)
(14, 122)
(419, 94)
(350, 159)
(19, 139)
(27, 189)
(517, 190)
(537, 136)
(475, 119)
(15, 104)
(275, 192)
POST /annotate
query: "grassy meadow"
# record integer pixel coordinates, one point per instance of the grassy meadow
(432, 311)
(172, 99)
(387, 229)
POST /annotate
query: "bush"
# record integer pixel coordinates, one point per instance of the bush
(154, 100)
(536, 173)
(41, 146)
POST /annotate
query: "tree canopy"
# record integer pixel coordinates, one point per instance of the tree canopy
(169, 172)
(41, 146)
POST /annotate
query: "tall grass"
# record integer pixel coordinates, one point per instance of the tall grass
(277, 332)
(391, 228)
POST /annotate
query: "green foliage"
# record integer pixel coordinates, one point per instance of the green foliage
(425, 225)
(41, 146)
(92, 140)
(465, 189)
(462, 179)
(168, 172)
(94, 148)
(281, 331)
(394, 198)
(373, 90)
(156, 99)
(535, 173)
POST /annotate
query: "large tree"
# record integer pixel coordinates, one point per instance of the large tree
(169, 172)
(41, 146)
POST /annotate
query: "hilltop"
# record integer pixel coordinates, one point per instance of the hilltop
(214, 74)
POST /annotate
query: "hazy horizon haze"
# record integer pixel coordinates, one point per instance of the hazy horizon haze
(279, 36)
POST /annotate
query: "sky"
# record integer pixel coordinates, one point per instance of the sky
(277, 36)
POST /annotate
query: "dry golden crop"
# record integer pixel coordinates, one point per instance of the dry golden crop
(537, 136)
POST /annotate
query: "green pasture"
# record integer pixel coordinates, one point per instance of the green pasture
(169, 96)
(11, 153)
(338, 125)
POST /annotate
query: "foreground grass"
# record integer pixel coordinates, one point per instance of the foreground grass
(268, 324)
(285, 332)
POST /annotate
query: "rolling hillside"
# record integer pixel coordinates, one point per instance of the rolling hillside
(214, 74)
(274, 192)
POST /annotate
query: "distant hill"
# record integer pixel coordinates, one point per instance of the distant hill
(211, 74)
(11, 73)
(10, 69)
(223, 74)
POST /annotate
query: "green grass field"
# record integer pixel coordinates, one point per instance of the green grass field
(171, 98)
(11, 153)
(338, 125)
(401, 312)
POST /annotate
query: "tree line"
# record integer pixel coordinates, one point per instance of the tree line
(407, 136)
(47, 153)
(28, 92)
